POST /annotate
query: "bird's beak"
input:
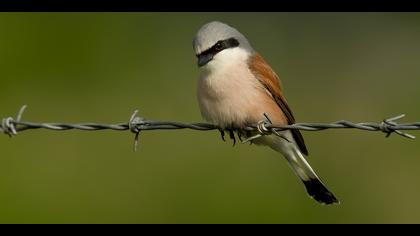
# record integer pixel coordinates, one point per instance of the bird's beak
(204, 59)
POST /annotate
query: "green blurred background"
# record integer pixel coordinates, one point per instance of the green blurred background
(99, 67)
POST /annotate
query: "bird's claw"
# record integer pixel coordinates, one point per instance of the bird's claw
(232, 136)
(239, 135)
(222, 134)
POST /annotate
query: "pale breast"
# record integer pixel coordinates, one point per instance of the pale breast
(230, 96)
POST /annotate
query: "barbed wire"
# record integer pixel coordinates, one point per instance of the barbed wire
(137, 124)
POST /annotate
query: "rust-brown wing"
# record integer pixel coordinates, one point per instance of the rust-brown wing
(269, 79)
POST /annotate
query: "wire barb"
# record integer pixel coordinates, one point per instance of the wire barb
(262, 129)
(133, 125)
(387, 126)
(8, 124)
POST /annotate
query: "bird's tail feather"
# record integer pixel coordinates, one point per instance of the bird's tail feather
(314, 187)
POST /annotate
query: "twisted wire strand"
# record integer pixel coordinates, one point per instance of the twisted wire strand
(136, 124)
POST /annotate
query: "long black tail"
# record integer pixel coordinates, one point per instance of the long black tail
(315, 188)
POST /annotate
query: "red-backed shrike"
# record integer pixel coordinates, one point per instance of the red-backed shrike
(236, 87)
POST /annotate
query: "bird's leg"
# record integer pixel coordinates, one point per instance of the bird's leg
(222, 133)
(239, 135)
(232, 136)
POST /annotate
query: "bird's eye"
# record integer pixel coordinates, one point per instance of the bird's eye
(218, 46)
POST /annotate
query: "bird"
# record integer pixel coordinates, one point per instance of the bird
(236, 87)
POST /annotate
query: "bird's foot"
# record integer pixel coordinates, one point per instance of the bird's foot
(231, 132)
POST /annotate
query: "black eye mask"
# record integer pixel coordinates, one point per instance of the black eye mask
(207, 55)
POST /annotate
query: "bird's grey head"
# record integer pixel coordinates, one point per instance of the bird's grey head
(215, 37)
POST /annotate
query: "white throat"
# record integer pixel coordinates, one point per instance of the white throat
(225, 60)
